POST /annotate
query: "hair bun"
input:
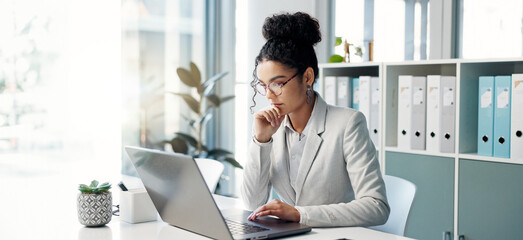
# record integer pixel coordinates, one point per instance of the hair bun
(299, 27)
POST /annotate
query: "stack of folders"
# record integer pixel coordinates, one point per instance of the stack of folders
(500, 114)
(411, 112)
(441, 113)
(361, 93)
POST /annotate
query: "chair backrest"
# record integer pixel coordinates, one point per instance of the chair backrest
(400, 195)
(211, 171)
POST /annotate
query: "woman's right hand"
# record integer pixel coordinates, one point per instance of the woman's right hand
(266, 123)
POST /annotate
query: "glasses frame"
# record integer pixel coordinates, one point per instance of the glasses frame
(280, 85)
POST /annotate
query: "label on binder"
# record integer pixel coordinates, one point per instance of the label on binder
(448, 96)
(404, 95)
(433, 97)
(376, 97)
(503, 99)
(486, 98)
(518, 91)
(417, 98)
(356, 97)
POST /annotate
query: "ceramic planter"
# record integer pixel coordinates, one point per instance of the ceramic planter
(94, 209)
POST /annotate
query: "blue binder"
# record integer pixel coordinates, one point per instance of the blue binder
(355, 89)
(502, 91)
(486, 103)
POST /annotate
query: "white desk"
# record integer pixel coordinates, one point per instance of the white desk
(160, 230)
(43, 206)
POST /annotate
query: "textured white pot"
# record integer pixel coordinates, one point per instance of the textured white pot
(95, 209)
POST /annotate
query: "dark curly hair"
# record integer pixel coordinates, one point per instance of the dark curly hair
(290, 40)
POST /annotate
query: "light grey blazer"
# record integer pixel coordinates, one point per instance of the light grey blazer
(339, 182)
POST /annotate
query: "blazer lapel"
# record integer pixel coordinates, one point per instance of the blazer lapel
(314, 140)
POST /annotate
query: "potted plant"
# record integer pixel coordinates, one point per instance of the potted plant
(202, 107)
(94, 204)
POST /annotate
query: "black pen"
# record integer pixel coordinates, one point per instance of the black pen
(122, 186)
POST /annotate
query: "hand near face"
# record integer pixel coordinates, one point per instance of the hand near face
(266, 123)
(276, 208)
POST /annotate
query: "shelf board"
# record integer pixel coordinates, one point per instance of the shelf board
(475, 156)
(344, 65)
(420, 152)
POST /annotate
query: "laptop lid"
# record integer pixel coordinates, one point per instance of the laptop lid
(182, 198)
(179, 192)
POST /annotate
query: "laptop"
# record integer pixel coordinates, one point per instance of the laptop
(182, 198)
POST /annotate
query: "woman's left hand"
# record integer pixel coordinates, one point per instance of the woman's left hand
(276, 208)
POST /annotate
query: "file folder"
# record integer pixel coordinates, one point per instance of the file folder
(369, 94)
(364, 94)
(375, 95)
(343, 97)
(411, 112)
(330, 90)
(486, 102)
(502, 90)
(516, 118)
(441, 113)
(355, 93)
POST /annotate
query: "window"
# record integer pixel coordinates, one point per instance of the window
(491, 29)
(397, 29)
(157, 38)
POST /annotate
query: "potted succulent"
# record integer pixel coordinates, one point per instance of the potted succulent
(94, 204)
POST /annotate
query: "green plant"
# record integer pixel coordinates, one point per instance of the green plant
(346, 46)
(94, 188)
(202, 107)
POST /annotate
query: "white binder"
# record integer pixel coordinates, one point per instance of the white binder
(516, 148)
(344, 96)
(441, 113)
(411, 112)
(365, 98)
(369, 105)
(330, 90)
(375, 99)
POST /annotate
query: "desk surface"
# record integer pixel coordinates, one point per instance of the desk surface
(161, 230)
(50, 213)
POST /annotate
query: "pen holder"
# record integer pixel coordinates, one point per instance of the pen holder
(136, 206)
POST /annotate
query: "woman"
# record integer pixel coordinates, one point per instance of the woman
(318, 158)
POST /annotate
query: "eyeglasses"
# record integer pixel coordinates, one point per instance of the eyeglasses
(275, 88)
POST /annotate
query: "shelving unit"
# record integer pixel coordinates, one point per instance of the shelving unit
(446, 182)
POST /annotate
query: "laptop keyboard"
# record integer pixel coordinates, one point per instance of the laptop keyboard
(243, 228)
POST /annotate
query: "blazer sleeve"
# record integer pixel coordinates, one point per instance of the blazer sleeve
(256, 184)
(370, 206)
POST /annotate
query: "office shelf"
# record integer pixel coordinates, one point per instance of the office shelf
(443, 178)
(420, 152)
(476, 157)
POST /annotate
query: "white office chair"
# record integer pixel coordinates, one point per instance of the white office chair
(211, 171)
(400, 195)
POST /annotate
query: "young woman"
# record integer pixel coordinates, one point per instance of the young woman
(318, 158)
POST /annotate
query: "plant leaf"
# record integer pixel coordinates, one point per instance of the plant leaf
(215, 78)
(204, 119)
(195, 73)
(225, 99)
(187, 138)
(233, 162)
(179, 145)
(338, 41)
(214, 100)
(94, 184)
(209, 84)
(217, 152)
(193, 104)
(186, 77)
(335, 58)
(105, 185)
